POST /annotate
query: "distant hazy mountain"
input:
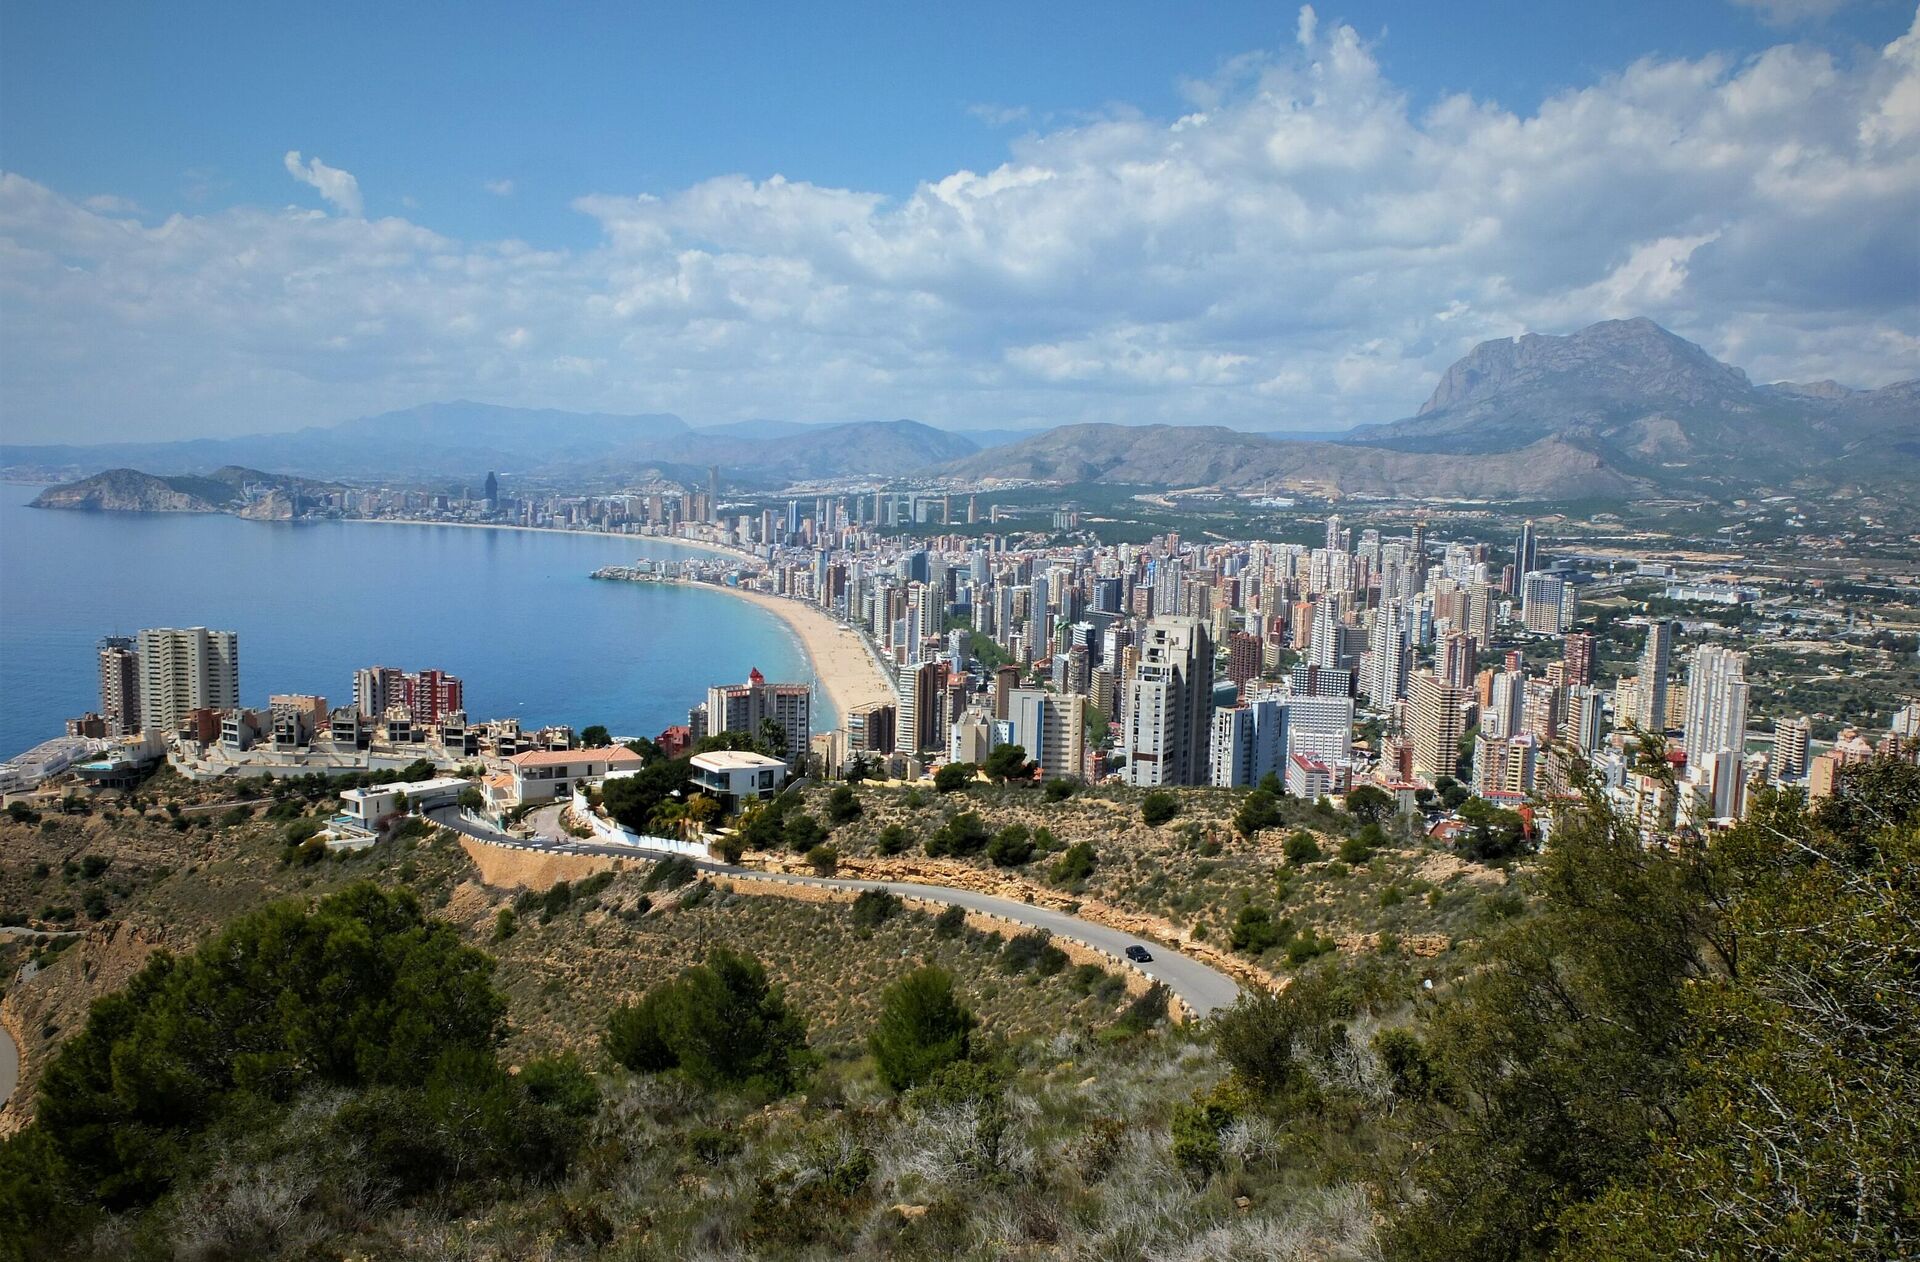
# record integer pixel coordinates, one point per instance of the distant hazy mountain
(440, 441)
(458, 439)
(1619, 406)
(1197, 456)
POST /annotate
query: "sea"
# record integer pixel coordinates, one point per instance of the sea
(512, 612)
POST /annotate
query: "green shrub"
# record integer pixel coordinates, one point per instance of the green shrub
(1307, 945)
(1254, 931)
(802, 832)
(1059, 789)
(873, 908)
(964, 834)
(1158, 807)
(1011, 846)
(1074, 865)
(824, 860)
(366, 992)
(1023, 950)
(719, 1023)
(953, 777)
(1148, 1009)
(892, 840)
(1302, 848)
(950, 922)
(1259, 810)
(922, 1028)
(843, 805)
(671, 873)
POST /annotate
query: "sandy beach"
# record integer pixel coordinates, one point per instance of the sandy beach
(841, 662)
(697, 545)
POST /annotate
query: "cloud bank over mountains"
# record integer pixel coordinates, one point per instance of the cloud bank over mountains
(1303, 249)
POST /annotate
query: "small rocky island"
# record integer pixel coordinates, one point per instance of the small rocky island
(233, 489)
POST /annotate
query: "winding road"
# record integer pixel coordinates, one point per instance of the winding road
(1203, 989)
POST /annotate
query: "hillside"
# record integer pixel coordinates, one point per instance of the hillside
(1192, 456)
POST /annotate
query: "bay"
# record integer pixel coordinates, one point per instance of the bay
(512, 612)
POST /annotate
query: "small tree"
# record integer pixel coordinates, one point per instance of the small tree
(843, 805)
(964, 834)
(824, 860)
(595, 736)
(1158, 807)
(1370, 804)
(720, 1023)
(802, 832)
(1259, 810)
(892, 840)
(1074, 866)
(953, 777)
(1059, 789)
(1254, 931)
(923, 1027)
(1302, 848)
(1009, 762)
(1011, 846)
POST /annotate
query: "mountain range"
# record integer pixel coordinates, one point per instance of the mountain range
(1619, 408)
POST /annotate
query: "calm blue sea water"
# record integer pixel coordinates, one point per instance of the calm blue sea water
(511, 612)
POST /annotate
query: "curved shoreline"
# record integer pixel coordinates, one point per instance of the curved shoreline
(841, 664)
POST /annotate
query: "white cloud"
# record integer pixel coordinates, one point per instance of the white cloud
(500, 188)
(337, 187)
(1305, 249)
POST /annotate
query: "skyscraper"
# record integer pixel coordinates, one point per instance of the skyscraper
(745, 707)
(1716, 703)
(491, 493)
(1459, 659)
(1526, 553)
(1247, 742)
(1577, 657)
(120, 685)
(1170, 704)
(186, 669)
(1243, 658)
(1389, 657)
(1436, 720)
(1543, 603)
(1789, 748)
(1050, 727)
(1656, 662)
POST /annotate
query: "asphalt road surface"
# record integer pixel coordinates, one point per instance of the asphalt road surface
(1202, 988)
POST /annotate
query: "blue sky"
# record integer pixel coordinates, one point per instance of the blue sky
(979, 215)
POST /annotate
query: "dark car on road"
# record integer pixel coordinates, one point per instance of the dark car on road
(1139, 954)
